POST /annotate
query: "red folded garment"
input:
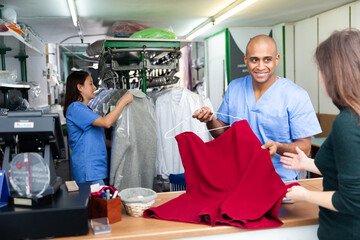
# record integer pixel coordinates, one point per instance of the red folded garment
(229, 181)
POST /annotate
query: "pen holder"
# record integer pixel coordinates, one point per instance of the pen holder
(110, 208)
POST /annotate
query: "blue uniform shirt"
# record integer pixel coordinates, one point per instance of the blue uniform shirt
(283, 113)
(87, 142)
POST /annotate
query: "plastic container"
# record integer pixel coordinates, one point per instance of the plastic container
(137, 200)
(177, 182)
(100, 225)
(8, 76)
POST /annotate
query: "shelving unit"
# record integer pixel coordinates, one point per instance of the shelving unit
(6, 87)
(14, 45)
(18, 45)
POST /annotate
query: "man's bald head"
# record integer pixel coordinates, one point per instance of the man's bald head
(262, 39)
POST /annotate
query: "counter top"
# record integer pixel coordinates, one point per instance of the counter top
(317, 142)
(293, 215)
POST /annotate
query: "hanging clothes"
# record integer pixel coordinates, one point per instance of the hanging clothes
(173, 109)
(100, 97)
(230, 181)
(134, 144)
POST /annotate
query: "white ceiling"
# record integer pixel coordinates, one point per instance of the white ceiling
(51, 20)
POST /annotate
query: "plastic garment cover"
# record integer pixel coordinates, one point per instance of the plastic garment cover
(174, 109)
(229, 181)
(134, 144)
(103, 97)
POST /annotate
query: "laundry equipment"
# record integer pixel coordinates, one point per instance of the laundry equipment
(143, 63)
(32, 140)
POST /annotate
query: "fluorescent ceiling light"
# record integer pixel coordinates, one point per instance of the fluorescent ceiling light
(72, 8)
(234, 10)
(227, 12)
(199, 31)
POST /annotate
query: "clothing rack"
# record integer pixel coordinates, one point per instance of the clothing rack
(145, 62)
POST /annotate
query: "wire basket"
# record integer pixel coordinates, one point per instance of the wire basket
(137, 200)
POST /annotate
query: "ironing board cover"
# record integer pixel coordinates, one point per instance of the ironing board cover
(230, 181)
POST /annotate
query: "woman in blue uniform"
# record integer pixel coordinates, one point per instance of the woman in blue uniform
(338, 159)
(86, 129)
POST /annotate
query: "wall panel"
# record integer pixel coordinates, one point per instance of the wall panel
(337, 19)
(306, 74)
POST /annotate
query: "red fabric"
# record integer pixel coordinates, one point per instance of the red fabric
(230, 181)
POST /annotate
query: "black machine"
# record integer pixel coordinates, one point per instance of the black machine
(33, 132)
(56, 212)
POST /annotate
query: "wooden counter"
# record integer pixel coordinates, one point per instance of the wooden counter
(293, 215)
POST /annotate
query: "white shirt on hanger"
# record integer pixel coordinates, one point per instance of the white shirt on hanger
(174, 111)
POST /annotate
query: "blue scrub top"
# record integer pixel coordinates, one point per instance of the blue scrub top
(87, 142)
(283, 113)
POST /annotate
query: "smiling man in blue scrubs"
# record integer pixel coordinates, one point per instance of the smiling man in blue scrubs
(278, 111)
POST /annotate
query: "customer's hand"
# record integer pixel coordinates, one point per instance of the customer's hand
(294, 161)
(297, 193)
(204, 114)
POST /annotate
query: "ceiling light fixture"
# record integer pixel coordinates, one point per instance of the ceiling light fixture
(227, 12)
(200, 29)
(75, 19)
(73, 12)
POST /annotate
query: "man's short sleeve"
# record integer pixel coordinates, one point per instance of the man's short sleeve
(302, 117)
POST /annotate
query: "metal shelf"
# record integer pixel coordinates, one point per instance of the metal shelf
(18, 45)
(14, 86)
(6, 87)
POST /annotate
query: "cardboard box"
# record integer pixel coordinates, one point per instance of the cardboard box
(326, 121)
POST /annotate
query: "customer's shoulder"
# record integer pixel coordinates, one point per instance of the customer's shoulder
(346, 115)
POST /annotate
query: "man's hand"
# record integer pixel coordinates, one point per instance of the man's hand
(271, 146)
(204, 114)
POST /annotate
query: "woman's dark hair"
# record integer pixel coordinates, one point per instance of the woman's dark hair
(72, 93)
(338, 59)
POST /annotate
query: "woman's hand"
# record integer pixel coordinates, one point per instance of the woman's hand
(204, 114)
(297, 194)
(128, 98)
(294, 161)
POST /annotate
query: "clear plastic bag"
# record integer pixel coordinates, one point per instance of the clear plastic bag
(125, 29)
(8, 76)
(35, 89)
(18, 104)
